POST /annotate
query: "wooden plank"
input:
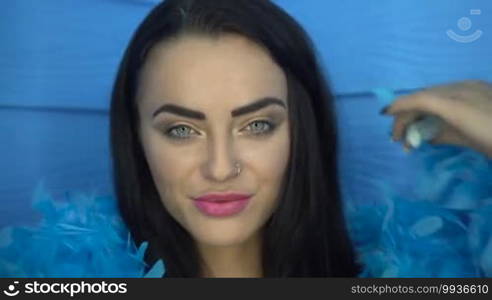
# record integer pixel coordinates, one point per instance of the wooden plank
(68, 52)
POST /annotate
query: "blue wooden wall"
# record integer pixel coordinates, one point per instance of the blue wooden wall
(58, 59)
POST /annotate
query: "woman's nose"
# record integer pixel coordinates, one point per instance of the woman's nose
(220, 163)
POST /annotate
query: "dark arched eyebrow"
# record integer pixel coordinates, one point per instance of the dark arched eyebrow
(257, 105)
(198, 115)
(180, 111)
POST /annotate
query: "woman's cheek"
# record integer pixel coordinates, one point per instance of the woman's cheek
(269, 158)
(170, 163)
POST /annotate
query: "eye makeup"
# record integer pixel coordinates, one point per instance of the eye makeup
(258, 126)
(179, 132)
(176, 131)
(265, 127)
(262, 126)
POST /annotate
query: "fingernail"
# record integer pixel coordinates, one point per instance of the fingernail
(384, 110)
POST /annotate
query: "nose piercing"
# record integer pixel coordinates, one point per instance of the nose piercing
(238, 169)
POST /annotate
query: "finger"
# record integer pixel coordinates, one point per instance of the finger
(429, 103)
(422, 102)
(401, 122)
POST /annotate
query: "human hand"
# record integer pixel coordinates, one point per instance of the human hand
(465, 107)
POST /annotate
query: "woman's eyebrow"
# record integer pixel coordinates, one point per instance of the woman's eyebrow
(198, 115)
(181, 111)
(257, 105)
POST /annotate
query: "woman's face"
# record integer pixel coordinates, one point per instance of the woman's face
(219, 101)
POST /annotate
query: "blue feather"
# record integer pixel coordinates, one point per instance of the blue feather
(83, 236)
(444, 229)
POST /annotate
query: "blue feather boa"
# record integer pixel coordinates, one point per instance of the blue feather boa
(443, 230)
(81, 237)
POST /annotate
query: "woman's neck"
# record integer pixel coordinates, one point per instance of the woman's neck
(237, 261)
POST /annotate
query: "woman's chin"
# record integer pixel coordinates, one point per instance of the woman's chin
(221, 237)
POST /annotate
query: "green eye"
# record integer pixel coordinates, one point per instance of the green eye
(180, 132)
(260, 127)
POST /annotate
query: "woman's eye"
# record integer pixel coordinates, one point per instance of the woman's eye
(180, 132)
(260, 127)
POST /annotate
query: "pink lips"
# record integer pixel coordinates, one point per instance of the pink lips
(222, 204)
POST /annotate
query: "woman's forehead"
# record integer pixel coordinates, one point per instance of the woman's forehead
(200, 71)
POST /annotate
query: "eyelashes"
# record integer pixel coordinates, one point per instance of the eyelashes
(257, 128)
(179, 132)
(261, 127)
